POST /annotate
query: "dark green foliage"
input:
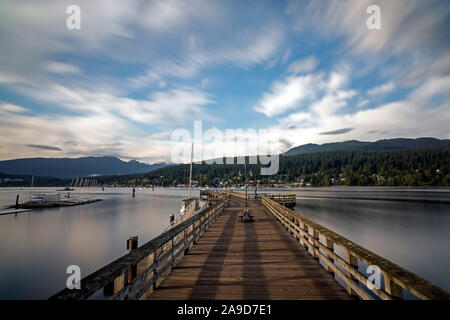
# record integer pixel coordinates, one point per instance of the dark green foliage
(386, 144)
(11, 180)
(408, 167)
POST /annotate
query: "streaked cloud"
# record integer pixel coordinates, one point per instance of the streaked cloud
(317, 92)
(363, 103)
(245, 50)
(9, 107)
(60, 68)
(382, 89)
(287, 94)
(405, 24)
(338, 131)
(304, 65)
(171, 106)
(409, 117)
(44, 147)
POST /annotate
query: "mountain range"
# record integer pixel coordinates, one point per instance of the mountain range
(75, 167)
(65, 168)
(386, 144)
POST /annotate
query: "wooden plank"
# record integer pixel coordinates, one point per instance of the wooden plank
(253, 260)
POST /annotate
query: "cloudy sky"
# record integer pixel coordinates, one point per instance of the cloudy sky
(138, 70)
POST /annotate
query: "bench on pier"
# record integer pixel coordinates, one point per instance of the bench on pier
(247, 216)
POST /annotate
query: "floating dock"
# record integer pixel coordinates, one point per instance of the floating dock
(67, 202)
(13, 211)
(49, 200)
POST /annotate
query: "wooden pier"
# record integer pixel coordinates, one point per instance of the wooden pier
(255, 260)
(278, 255)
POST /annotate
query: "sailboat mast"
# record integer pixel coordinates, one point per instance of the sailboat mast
(190, 170)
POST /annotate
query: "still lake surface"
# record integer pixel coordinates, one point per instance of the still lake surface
(410, 227)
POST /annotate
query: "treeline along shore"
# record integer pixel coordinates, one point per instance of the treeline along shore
(408, 167)
(411, 167)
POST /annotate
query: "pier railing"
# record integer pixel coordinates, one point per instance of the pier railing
(322, 243)
(213, 196)
(235, 194)
(188, 212)
(141, 271)
(286, 199)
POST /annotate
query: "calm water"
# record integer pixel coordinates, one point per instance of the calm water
(36, 247)
(411, 227)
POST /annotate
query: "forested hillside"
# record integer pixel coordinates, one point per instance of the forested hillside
(409, 167)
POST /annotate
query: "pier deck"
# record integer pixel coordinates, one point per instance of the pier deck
(252, 260)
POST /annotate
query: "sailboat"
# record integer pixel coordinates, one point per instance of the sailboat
(188, 200)
(69, 188)
(191, 206)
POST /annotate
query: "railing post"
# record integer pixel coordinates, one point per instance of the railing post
(132, 244)
(330, 245)
(286, 224)
(315, 235)
(192, 231)
(353, 261)
(197, 230)
(120, 282)
(172, 249)
(289, 225)
(108, 290)
(297, 233)
(155, 272)
(305, 238)
(392, 288)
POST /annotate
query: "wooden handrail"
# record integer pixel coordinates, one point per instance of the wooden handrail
(396, 278)
(155, 258)
(287, 199)
(235, 194)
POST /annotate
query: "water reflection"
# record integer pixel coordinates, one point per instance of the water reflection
(36, 247)
(412, 234)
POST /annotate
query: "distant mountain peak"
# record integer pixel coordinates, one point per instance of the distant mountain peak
(75, 167)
